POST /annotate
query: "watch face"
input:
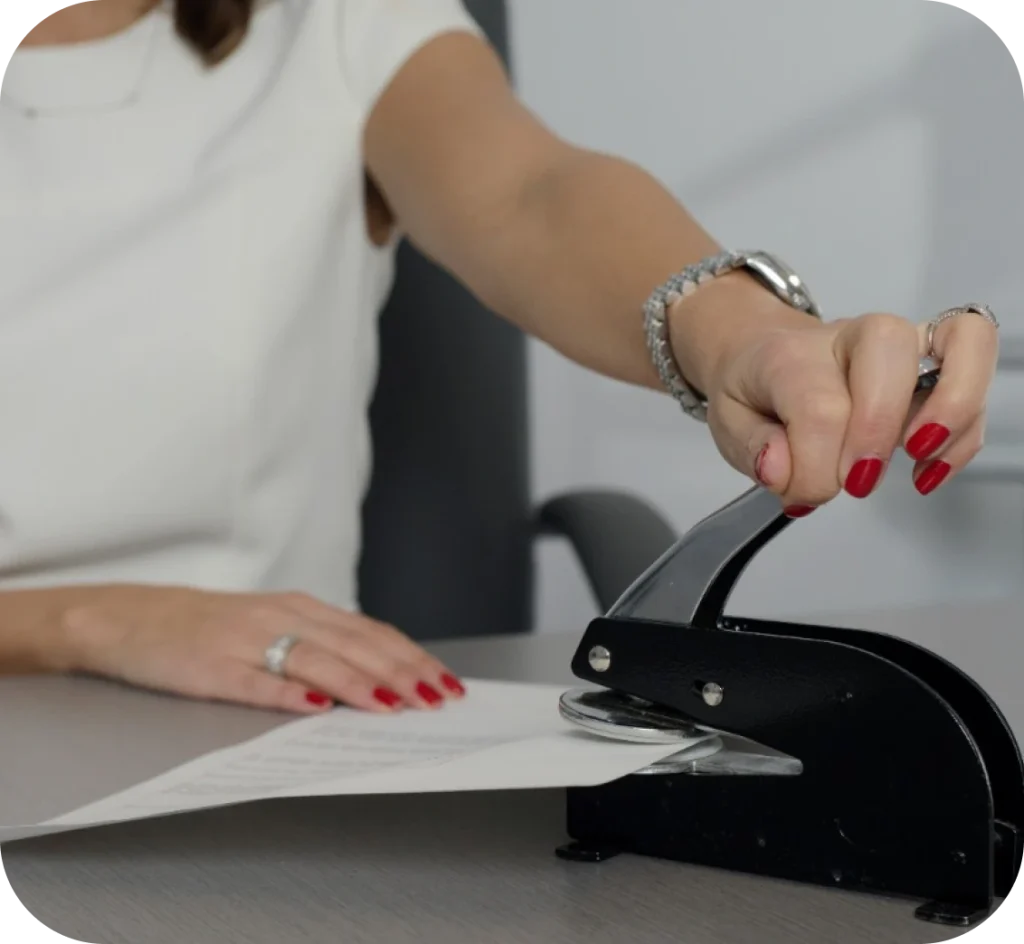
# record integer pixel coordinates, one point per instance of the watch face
(781, 279)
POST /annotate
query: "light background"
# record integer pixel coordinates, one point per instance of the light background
(876, 146)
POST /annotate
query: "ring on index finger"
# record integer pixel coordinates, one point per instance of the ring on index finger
(971, 308)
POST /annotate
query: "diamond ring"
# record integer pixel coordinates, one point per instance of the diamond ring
(276, 654)
(971, 308)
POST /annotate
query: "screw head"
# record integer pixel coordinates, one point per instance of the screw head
(600, 659)
(713, 694)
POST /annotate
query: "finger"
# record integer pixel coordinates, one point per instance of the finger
(412, 683)
(346, 647)
(326, 672)
(968, 348)
(242, 684)
(931, 473)
(753, 444)
(398, 655)
(881, 357)
(814, 405)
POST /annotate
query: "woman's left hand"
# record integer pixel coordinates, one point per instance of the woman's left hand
(815, 409)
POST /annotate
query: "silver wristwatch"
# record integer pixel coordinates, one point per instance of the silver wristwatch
(769, 271)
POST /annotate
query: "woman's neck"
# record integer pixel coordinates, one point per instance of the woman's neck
(96, 19)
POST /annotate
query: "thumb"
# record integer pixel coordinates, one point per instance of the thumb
(753, 444)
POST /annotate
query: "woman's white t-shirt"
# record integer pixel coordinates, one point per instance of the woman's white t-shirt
(188, 300)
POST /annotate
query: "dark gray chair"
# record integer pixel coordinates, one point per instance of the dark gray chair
(448, 522)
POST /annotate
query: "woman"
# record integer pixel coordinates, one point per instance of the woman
(198, 207)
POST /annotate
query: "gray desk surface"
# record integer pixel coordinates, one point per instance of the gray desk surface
(395, 870)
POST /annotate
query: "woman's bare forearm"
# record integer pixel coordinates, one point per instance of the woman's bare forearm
(565, 242)
(34, 631)
(591, 239)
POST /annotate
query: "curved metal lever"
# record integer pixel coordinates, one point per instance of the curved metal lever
(692, 581)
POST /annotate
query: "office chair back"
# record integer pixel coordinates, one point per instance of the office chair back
(447, 520)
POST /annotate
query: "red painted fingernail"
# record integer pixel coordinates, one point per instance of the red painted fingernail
(430, 695)
(318, 699)
(387, 697)
(932, 477)
(864, 477)
(797, 511)
(926, 440)
(453, 684)
(759, 465)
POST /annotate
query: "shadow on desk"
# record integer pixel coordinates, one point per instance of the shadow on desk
(407, 833)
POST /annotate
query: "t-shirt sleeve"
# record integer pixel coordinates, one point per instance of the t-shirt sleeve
(377, 37)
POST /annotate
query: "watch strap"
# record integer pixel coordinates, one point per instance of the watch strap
(775, 275)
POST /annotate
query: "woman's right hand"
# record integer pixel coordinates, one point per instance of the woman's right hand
(211, 646)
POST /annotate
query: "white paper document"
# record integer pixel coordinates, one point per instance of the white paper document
(502, 736)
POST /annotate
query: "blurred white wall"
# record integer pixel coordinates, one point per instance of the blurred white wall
(876, 145)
